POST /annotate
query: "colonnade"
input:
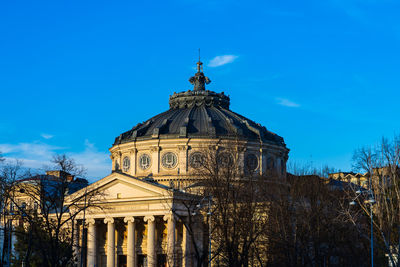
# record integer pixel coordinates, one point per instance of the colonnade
(131, 242)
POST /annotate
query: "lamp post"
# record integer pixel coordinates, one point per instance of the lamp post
(371, 201)
(209, 213)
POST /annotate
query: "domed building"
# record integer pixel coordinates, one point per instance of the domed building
(168, 146)
(133, 219)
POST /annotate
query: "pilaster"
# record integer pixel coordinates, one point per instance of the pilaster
(155, 158)
(183, 158)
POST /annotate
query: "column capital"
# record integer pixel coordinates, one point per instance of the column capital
(129, 219)
(149, 217)
(90, 221)
(109, 220)
(169, 216)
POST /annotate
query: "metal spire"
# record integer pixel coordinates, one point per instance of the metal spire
(199, 80)
(199, 64)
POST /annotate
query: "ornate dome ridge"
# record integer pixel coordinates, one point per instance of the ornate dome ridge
(190, 98)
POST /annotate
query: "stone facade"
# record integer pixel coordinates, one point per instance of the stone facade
(132, 223)
(268, 156)
(133, 220)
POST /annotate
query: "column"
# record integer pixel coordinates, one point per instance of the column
(171, 255)
(198, 233)
(110, 242)
(76, 243)
(186, 253)
(91, 247)
(151, 238)
(131, 245)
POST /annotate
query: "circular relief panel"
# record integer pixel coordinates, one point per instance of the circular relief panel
(196, 159)
(169, 160)
(144, 161)
(251, 162)
(225, 159)
(126, 164)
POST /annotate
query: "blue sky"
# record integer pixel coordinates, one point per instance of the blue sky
(76, 74)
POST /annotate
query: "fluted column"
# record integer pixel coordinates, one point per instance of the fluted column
(110, 242)
(186, 253)
(151, 238)
(131, 246)
(171, 255)
(91, 247)
(198, 234)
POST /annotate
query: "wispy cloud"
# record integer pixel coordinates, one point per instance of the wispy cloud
(47, 136)
(96, 162)
(29, 149)
(37, 155)
(286, 102)
(222, 60)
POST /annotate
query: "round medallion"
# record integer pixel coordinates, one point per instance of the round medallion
(169, 160)
(251, 162)
(196, 159)
(144, 161)
(126, 163)
(225, 159)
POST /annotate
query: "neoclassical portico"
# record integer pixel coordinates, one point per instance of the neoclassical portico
(132, 224)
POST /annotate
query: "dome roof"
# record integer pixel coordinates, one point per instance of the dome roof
(199, 113)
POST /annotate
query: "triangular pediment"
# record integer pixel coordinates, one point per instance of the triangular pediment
(121, 187)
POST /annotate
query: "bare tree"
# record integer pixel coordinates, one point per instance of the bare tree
(229, 202)
(10, 172)
(189, 208)
(45, 216)
(307, 226)
(380, 201)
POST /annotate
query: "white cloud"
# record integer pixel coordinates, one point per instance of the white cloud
(222, 60)
(98, 164)
(46, 136)
(287, 103)
(29, 149)
(37, 155)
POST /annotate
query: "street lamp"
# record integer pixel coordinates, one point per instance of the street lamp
(371, 201)
(209, 213)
